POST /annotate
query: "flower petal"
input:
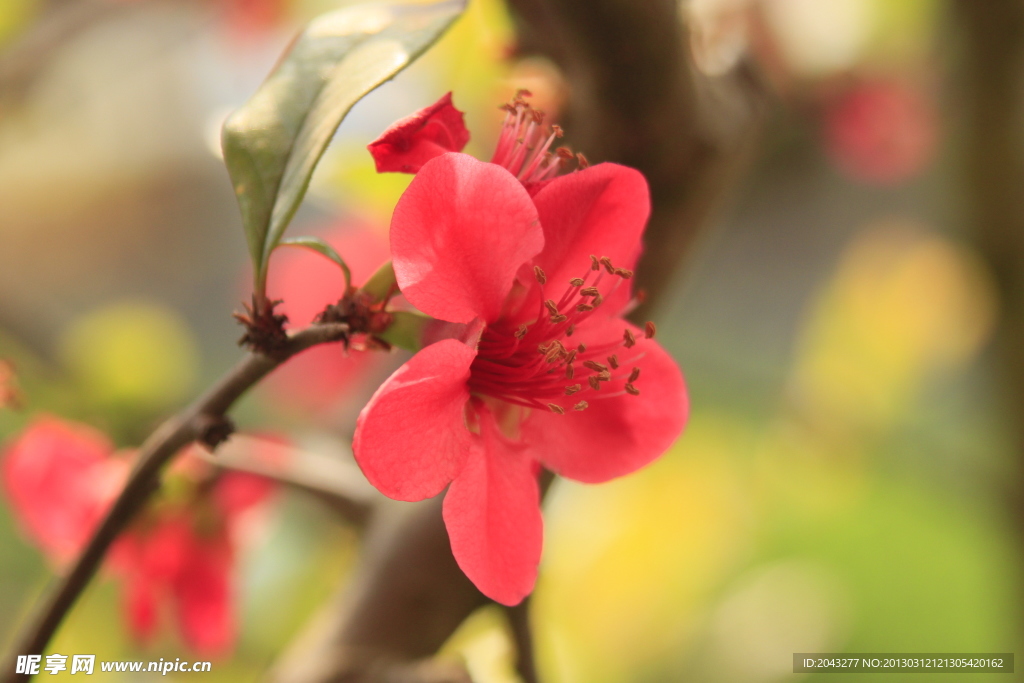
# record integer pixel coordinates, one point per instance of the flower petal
(492, 512)
(458, 236)
(202, 596)
(416, 139)
(601, 210)
(411, 438)
(618, 433)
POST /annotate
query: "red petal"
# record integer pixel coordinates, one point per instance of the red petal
(54, 475)
(617, 435)
(601, 210)
(492, 512)
(202, 593)
(411, 438)
(236, 492)
(140, 605)
(458, 236)
(415, 140)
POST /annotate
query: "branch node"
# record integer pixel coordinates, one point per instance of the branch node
(213, 430)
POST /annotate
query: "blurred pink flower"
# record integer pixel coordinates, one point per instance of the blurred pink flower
(881, 131)
(549, 372)
(62, 477)
(183, 556)
(307, 283)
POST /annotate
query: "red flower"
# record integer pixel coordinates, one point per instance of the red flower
(61, 478)
(549, 373)
(881, 132)
(417, 139)
(182, 556)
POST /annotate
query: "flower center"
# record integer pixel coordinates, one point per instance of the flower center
(524, 144)
(537, 366)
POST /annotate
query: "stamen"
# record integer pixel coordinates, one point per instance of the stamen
(582, 405)
(631, 390)
(649, 329)
(541, 277)
(556, 409)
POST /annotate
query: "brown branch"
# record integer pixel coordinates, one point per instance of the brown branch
(180, 430)
(336, 482)
(637, 100)
(522, 638)
(991, 75)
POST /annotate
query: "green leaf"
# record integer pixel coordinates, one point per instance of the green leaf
(406, 330)
(320, 247)
(274, 141)
(382, 283)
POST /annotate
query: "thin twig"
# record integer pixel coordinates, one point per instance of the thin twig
(335, 480)
(143, 481)
(522, 636)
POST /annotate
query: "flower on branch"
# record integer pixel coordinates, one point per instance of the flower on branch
(537, 269)
(61, 478)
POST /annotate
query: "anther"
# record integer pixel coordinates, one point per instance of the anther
(571, 356)
(556, 409)
(557, 130)
(595, 383)
(590, 291)
(581, 348)
(628, 339)
(565, 153)
(541, 277)
(582, 405)
(613, 360)
(521, 332)
(649, 329)
(582, 160)
(597, 301)
(569, 330)
(631, 390)
(582, 308)
(572, 389)
(551, 306)
(594, 263)
(607, 263)
(624, 273)
(559, 318)
(634, 376)
(595, 366)
(576, 282)
(604, 376)
(569, 371)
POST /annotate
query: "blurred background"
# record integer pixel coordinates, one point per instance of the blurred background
(850, 478)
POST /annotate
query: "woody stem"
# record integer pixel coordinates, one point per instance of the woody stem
(196, 422)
